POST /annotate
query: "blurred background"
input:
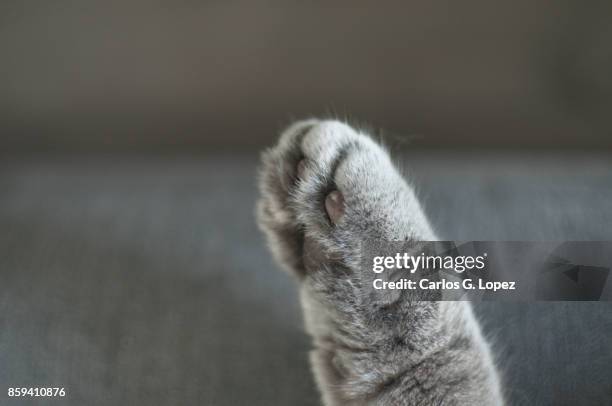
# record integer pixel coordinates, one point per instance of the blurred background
(131, 268)
(116, 75)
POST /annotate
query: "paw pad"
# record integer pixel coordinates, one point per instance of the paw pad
(334, 205)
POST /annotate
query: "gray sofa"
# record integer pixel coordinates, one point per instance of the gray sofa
(145, 281)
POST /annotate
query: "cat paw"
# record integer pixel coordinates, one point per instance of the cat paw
(325, 187)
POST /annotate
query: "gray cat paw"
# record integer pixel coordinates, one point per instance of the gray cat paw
(326, 191)
(324, 187)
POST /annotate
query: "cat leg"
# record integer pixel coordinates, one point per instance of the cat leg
(326, 190)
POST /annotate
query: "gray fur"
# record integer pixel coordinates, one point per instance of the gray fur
(366, 352)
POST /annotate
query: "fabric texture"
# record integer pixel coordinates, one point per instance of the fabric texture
(145, 280)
